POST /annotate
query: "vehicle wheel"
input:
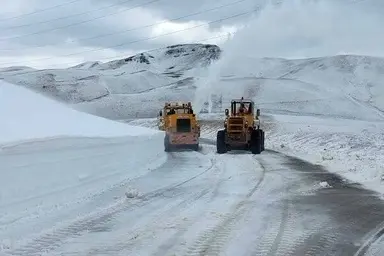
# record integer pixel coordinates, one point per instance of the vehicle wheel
(262, 140)
(256, 141)
(167, 146)
(221, 147)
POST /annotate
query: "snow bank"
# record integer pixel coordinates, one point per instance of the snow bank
(26, 115)
(351, 148)
(45, 183)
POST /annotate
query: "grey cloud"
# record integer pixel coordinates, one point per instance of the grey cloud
(78, 28)
(115, 20)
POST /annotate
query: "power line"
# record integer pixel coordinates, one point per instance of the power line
(79, 23)
(142, 27)
(141, 40)
(66, 17)
(40, 10)
(121, 56)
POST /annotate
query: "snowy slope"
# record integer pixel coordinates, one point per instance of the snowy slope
(343, 86)
(352, 148)
(58, 163)
(339, 86)
(91, 81)
(26, 115)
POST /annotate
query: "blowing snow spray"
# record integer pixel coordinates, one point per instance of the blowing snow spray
(207, 83)
(291, 29)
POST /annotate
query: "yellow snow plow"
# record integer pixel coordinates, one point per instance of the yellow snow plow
(241, 129)
(180, 125)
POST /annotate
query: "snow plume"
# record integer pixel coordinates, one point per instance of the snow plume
(296, 29)
(207, 80)
(301, 29)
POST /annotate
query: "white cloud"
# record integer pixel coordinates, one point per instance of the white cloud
(106, 29)
(200, 31)
(54, 57)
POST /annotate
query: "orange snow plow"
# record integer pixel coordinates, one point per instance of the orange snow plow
(180, 125)
(241, 128)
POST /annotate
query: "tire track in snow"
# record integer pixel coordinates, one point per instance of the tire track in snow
(338, 228)
(156, 223)
(323, 243)
(280, 230)
(55, 238)
(140, 233)
(377, 235)
(327, 238)
(166, 247)
(279, 237)
(270, 241)
(183, 225)
(342, 227)
(212, 241)
(287, 246)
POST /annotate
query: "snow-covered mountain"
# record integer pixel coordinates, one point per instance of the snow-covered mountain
(344, 86)
(108, 89)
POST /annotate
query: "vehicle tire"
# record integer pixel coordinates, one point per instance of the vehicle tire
(167, 146)
(195, 147)
(256, 141)
(262, 140)
(221, 147)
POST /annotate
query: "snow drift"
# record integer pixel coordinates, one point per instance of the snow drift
(352, 148)
(26, 115)
(72, 163)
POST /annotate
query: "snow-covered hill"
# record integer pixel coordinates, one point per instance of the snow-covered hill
(338, 86)
(344, 86)
(107, 89)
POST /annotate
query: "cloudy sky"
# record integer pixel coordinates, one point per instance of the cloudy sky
(61, 33)
(72, 31)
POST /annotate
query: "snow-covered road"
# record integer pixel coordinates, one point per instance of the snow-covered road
(73, 184)
(49, 182)
(181, 203)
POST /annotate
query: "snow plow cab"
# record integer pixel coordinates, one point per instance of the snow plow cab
(180, 125)
(241, 128)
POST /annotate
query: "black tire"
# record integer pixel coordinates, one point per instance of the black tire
(262, 140)
(195, 147)
(167, 146)
(256, 141)
(221, 147)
